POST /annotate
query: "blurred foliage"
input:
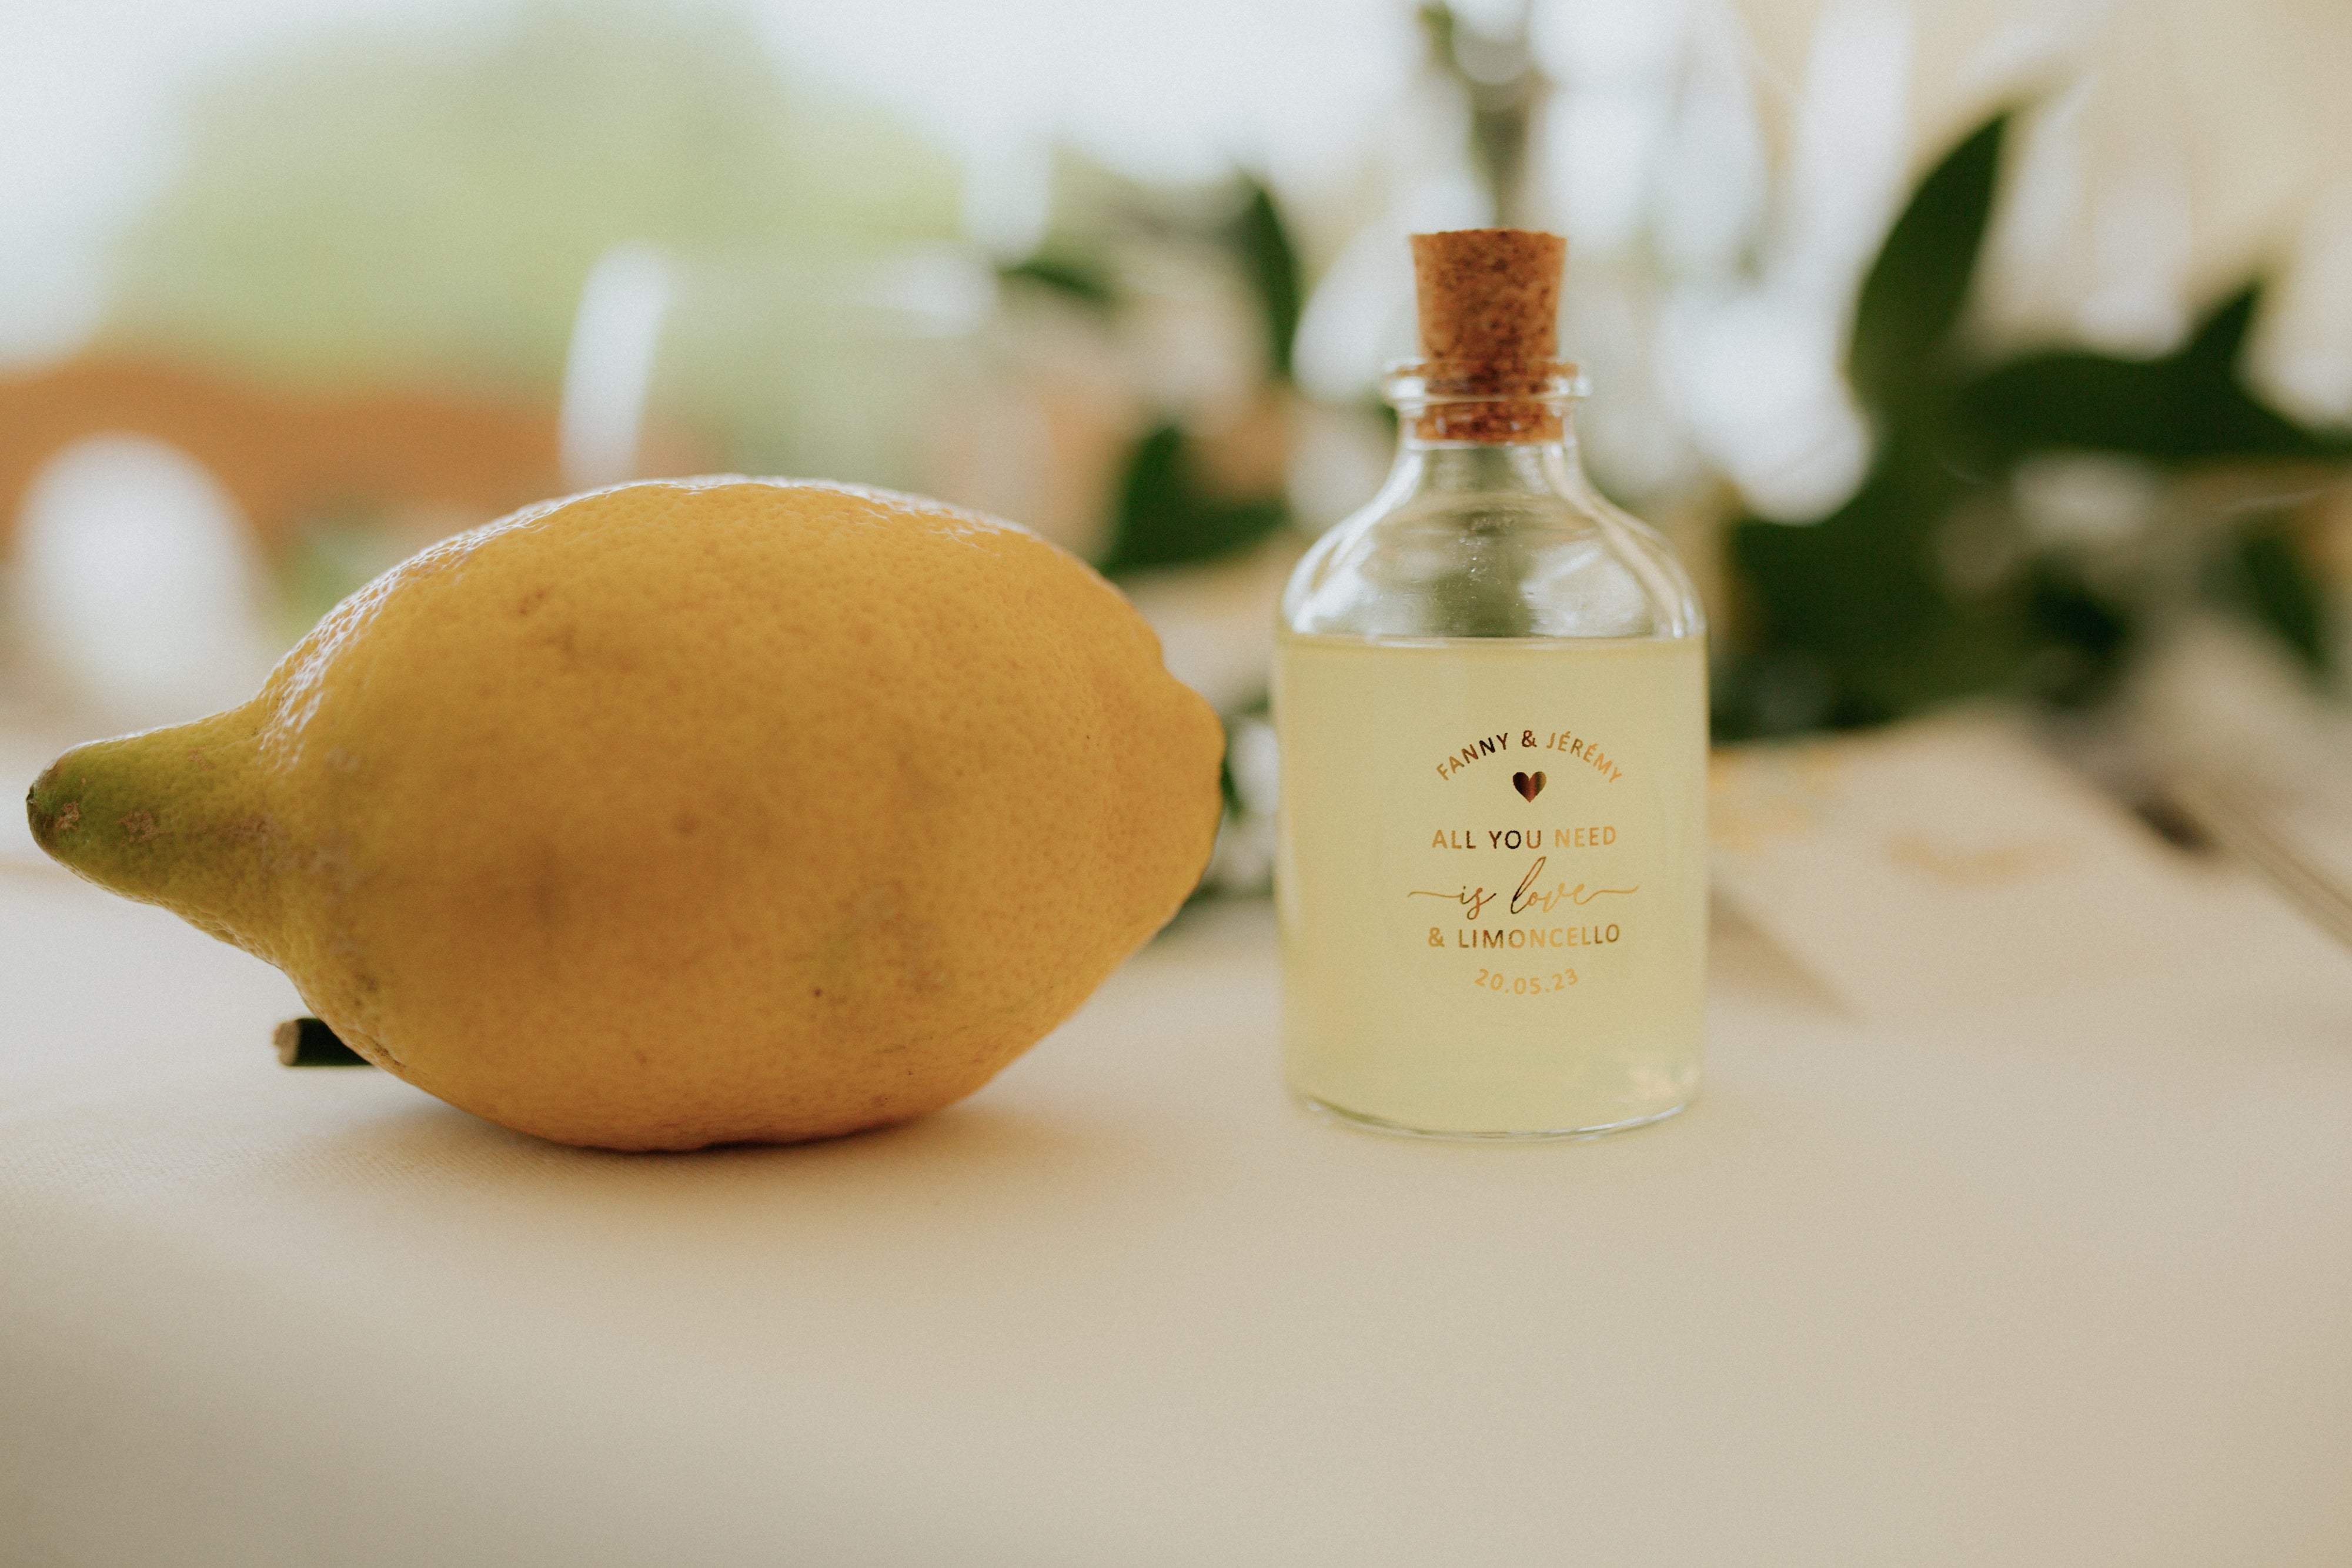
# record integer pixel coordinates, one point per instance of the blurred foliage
(1504, 87)
(1859, 617)
(393, 208)
(421, 207)
(1169, 515)
(2267, 576)
(1269, 264)
(411, 204)
(1168, 512)
(1088, 282)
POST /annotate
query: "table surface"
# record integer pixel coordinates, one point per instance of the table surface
(2069, 1284)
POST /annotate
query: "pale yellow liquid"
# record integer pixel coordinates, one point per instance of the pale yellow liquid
(1415, 995)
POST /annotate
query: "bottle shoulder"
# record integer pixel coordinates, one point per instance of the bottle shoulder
(1515, 563)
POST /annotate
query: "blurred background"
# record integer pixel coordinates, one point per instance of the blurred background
(1974, 350)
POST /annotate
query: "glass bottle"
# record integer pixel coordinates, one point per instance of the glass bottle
(1490, 692)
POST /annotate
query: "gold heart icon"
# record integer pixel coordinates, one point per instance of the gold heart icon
(1528, 784)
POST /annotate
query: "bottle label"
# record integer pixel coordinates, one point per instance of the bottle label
(1491, 878)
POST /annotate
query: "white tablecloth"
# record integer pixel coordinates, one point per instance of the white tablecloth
(2071, 1286)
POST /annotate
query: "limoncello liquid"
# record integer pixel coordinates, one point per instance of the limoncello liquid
(1492, 879)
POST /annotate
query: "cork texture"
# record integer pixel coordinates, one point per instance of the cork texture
(1489, 305)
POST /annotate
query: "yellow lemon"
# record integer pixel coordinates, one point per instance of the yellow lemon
(684, 813)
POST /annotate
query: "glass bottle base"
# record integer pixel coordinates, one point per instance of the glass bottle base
(1358, 1120)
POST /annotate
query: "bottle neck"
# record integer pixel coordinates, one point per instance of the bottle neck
(1485, 427)
(1552, 465)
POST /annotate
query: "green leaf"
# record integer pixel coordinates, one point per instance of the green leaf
(1269, 265)
(1437, 27)
(1857, 596)
(1854, 620)
(1083, 280)
(2189, 406)
(1916, 289)
(2277, 586)
(2079, 638)
(1167, 517)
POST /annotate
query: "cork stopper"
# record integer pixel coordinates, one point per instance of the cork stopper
(1489, 302)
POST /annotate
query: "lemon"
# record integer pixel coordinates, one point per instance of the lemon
(684, 812)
